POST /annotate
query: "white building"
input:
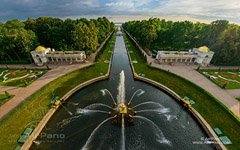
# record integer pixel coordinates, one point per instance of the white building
(201, 56)
(42, 55)
(204, 55)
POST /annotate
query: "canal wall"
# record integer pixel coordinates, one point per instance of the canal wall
(145, 52)
(51, 112)
(207, 128)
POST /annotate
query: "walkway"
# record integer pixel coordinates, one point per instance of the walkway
(189, 73)
(234, 92)
(21, 93)
(227, 97)
(57, 70)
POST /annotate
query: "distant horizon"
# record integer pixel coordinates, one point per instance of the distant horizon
(204, 11)
(120, 19)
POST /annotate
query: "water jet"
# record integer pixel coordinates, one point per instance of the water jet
(122, 120)
(124, 113)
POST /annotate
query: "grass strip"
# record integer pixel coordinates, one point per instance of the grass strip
(4, 98)
(213, 111)
(34, 108)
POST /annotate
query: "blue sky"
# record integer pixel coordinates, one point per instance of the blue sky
(123, 10)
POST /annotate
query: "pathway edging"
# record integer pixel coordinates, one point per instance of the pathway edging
(229, 101)
(197, 116)
(51, 112)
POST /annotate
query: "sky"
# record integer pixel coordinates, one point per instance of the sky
(123, 10)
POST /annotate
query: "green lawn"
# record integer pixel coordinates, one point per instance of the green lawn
(4, 98)
(231, 78)
(210, 108)
(19, 77)
(32, 110)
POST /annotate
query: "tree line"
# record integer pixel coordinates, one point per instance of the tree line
(220, 36)
(18, 38)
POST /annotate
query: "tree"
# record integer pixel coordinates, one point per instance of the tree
(16, 42)
(68, 28)
(220, 36)
(18, 38)
(30, 24)
(85, 37)
(79, 36)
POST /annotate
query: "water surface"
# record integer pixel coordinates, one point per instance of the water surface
(160, 124)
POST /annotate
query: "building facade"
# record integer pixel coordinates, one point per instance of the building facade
(201, 56)
(42, 56)
(204, 54)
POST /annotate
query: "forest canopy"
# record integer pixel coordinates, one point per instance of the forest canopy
(220, 36)
(18, 38)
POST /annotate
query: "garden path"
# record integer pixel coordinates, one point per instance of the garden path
(189, 73)
(227, 97)
(56, 71)
(21, 93)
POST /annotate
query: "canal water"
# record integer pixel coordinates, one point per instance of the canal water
(161, 123)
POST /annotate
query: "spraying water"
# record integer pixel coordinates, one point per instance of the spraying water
(86, 111)
(160, 137)
(149, 102)
(106, 91)
(140, 91)
(158, 111)
(121, 88)
(121, 99)
(68, 111)
(123, 147)
(85, 147)
(92, 106)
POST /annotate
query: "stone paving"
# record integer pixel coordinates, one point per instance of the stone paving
(234, 92)
(21, 93)
(57, 70)
(227, 97)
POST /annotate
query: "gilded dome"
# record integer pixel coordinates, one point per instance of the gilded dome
(40, 48)
(204, 49)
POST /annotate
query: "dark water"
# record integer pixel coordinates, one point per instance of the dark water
(173, 128)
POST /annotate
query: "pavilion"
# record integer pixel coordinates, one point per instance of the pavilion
(202, 56)
(42, 56)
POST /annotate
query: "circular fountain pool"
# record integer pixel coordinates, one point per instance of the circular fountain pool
(159, 121)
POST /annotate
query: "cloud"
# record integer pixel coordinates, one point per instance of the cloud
(120, 5)
(195, 9)
(22, 9)
(209, 8)
(129, 5)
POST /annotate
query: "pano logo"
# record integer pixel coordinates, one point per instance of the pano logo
(52, 136)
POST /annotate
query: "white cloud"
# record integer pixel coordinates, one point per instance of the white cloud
(121, 5)
(208, 8)
(196, 9)
(89, 3)
(129, 5)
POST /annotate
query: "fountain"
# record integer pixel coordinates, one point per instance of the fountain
(124, 113)
(134, 116)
